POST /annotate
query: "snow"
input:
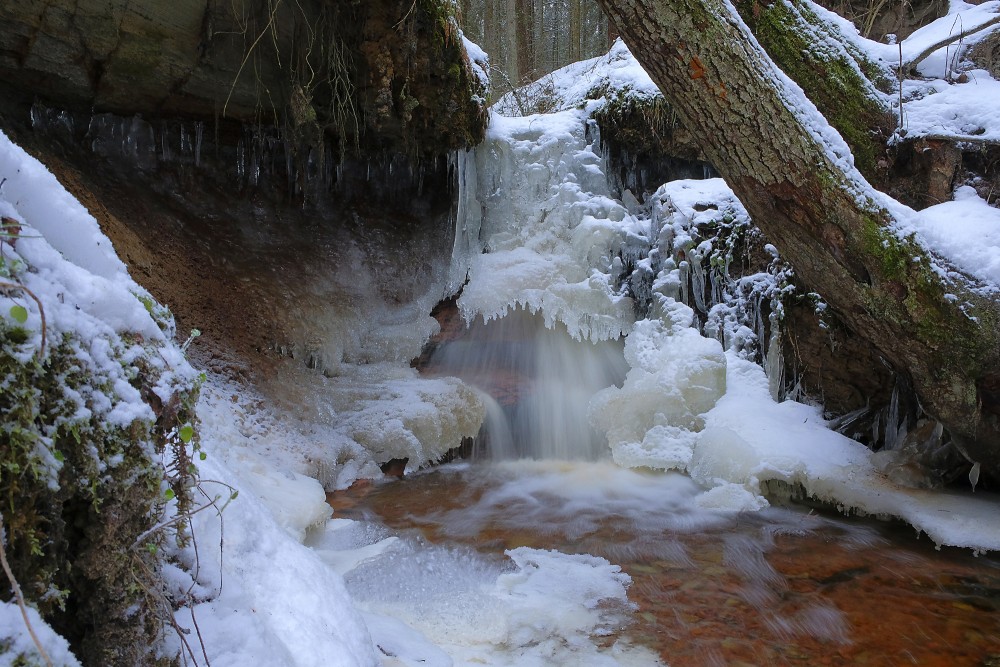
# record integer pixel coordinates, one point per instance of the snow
(266, 597)
(276, 581)
(676, 376)
(617, 73)
(17, 642)
(966, 231)
(749, 440)
(478, 61)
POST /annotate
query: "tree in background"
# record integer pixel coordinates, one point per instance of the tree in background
(527, 39)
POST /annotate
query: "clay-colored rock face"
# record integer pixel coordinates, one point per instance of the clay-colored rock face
(384, 74)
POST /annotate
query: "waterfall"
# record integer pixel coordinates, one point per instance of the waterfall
(538, 383)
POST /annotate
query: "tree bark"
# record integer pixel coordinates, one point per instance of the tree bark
(527, 61)
(798, 181)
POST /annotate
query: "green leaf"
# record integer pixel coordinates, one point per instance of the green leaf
(152, 548)
(169, 493)
(19, 313)
(235, 493)
(202, 456)
(58, 455)
(186, 433)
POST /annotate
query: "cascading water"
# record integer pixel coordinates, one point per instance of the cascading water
(538, 382)
(557, 273)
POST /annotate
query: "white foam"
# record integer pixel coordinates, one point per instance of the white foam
(537, 608)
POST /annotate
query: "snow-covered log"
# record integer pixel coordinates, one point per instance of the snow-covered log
(846, 239)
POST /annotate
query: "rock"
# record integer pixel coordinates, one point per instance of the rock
(387, 74)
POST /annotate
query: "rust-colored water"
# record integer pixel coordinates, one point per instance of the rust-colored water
(785, 586)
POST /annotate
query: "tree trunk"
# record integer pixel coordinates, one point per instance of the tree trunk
(797, 179)
(526, 61)
(575, 31)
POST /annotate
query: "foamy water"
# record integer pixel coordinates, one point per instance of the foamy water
(702, 587)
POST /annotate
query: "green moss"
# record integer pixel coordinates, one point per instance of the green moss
(923, 306)
(76, 491)
(795, 39)
(638, 123)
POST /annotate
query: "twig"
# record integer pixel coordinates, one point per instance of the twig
(959, 138)
(20, 597)
(249, 52)
(177, 519)
(900, 75)
(158, 597)
(212, 502)
(408, 12)
(41, 309)
(951, 39)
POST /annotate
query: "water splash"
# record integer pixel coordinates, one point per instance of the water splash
(541, 381)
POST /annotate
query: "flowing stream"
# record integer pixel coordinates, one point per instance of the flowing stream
(792, 584)
(567, 478)
(783, 586)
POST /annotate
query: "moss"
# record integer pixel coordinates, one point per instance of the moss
(794, 38)
(921, 304)
(76, 491)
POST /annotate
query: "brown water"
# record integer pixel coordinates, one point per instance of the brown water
(786, 586)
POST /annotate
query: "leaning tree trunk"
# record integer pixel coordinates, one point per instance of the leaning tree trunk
(797, 178)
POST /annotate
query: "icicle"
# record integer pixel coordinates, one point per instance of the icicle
(974, 475)
(199, 130)
(892, 438)
(774, 363)
(165, 153)
(241, 160)
(698, 279)
(685, 270)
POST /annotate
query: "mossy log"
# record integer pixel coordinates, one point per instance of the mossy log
(942, 332)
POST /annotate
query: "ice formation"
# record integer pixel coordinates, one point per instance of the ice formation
(677, 407)
(549, 229)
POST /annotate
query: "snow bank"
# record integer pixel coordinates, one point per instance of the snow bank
(676, 376)
(260, 595)
(588, 83)
(60, 256)
(750, 440)
(19, 648)
(966, 231)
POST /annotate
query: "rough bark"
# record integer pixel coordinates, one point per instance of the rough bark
(390, 73)
(839, 79)
(527, 60)
(725, 89)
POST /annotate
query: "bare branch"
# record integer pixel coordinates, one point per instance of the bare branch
(950, 39)
(20, 598)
